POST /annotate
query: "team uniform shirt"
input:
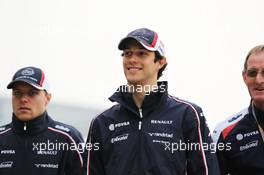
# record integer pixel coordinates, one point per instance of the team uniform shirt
(41, 146)
(241, 135)
(152, 140)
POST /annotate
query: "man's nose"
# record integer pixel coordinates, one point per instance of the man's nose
(260, 77)
(24, 97)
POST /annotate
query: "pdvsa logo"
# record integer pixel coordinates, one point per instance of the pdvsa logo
(239, 137)
(249, 134)
(11, 151)
(118, 125)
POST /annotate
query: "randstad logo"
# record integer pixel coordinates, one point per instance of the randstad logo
(118, 125)
(47, 165)
(27, 71)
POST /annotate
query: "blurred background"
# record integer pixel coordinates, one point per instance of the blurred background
(75, 43)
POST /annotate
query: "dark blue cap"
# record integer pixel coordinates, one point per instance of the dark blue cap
(31, 75)
(147, 38)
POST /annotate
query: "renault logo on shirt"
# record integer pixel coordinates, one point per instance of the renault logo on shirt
(164, 122)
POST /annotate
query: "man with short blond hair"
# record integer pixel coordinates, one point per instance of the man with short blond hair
(31, 143)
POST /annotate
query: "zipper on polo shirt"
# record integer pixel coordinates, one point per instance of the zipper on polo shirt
(139, 125)
(25, 126)
(141, 116)
(139, 141)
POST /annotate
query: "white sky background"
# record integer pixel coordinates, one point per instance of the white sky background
(75, 43)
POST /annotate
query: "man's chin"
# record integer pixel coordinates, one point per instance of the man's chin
(258, 99)
(24, 117)
(133, 81)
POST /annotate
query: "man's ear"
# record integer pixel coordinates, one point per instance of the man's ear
(162, 62)
(48, 98)
(244, 75)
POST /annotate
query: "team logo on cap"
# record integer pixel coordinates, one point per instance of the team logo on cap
(27, 71)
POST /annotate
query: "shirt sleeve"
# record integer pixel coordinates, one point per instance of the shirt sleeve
(221, 157)
(74, 156)
(201, 156)
(94, 163)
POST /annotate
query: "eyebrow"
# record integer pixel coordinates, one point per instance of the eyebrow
(253, 68)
